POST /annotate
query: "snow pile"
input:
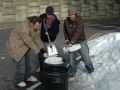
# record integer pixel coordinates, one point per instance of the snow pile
(105, 55)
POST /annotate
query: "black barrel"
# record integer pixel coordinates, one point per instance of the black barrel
(55, 77)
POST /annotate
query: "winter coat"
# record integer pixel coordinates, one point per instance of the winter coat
(52, 31)
(22, 38)
(74, 30)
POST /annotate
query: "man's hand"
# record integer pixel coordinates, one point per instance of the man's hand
(46, 33)
(67, 42)
(71, 43)
(40, 54)
(42, 51)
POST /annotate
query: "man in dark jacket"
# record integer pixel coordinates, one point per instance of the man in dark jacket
(74, 33)
(51, 23)
(49, 26)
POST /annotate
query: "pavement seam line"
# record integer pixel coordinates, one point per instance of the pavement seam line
(34, 86)
(95, 36)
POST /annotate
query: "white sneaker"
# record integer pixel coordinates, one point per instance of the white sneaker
(32, 79)
(21, 84)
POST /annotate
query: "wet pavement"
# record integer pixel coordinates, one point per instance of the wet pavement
(7, 67)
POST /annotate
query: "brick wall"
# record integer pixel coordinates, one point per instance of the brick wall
(18, 10)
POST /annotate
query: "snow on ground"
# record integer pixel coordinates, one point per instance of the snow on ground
(105, 55)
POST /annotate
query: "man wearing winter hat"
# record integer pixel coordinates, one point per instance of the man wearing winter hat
(51, 24)
(74, 33)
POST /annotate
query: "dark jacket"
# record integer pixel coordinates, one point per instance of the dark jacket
(74, 30)
(53, 31)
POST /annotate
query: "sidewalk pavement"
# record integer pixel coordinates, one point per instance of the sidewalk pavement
(6, 65)
(5, 25)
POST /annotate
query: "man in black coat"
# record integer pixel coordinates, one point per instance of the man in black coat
(51, 23)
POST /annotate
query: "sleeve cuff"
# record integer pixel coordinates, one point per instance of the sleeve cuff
(66, 41)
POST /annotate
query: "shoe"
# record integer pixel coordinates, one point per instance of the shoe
(89, 68)
(32, 79)
(21, 84)
(71, 78)
(90, 71)
(71, 75)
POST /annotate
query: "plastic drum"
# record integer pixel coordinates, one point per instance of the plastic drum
(55, 74)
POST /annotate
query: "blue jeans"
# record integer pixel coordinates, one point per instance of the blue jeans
(23, 68)
(73, 63)
(84, 52)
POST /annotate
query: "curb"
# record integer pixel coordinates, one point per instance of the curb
(7, 27)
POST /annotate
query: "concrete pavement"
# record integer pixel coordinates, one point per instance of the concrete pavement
(7, 66)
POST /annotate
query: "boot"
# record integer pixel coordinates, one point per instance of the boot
(89, 68)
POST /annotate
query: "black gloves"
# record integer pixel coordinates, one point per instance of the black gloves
(42, 51)
(40, 54)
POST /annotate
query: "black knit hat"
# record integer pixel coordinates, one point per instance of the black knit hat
(49, 10)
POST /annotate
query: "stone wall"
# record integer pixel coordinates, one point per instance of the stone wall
(95, 9)
(18, 10)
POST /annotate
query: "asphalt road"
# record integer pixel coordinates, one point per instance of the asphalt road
(7, 67)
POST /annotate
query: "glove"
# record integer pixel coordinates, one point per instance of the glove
(42, 51)
(41, 57)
